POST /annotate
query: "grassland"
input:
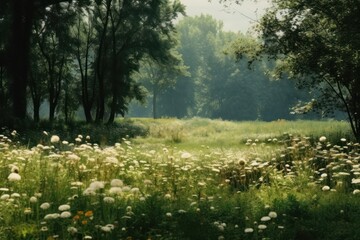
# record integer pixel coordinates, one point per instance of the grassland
(187, 179)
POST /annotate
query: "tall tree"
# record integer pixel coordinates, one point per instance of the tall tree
(127, 32)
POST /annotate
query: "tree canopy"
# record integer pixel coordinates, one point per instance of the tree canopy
(96, 45)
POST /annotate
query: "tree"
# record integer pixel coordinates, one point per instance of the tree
(127, 32)
(317, 43)
(157, 76)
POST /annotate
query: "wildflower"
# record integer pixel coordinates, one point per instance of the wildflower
(109, 200)
(355, 180)
(45, 206)
(89, 192)
(135, 190)
(185, 155)
(106, 229)
(96, 185)
(87, 237)
(14, 169)
(15, 195)
(55, 139)
(201, 184)
(273, 214)
(72, 230)
(325, 188)
(44, 229)
(322, 139)
(65, 214)
(14, 177)
(116, 183)
(262, 226)
(88, 213)
(51, 216)
(115, 190)
(249, 230)
(356, 191)
(33, 199)
(64, 207)
(343, 139)
(27, 211)
(168, 214)
(265, 219)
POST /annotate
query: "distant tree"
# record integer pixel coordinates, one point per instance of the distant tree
(157, 76)
(317, 43)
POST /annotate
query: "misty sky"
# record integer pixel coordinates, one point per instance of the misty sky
(235, 18)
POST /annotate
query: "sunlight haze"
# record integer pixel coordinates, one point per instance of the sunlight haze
(235, 17)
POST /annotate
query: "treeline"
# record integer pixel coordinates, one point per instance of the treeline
(215, 84)
(79, 54)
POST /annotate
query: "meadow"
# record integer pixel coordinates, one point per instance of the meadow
(192, 179)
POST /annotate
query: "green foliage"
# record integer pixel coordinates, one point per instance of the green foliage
(316, 43)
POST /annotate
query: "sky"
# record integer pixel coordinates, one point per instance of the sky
(235, 18)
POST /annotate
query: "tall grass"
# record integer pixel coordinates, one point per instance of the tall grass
(267, 185)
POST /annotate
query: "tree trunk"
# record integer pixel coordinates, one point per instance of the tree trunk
(100, 111)
(154, 103)
(22, 13)
(36, 105)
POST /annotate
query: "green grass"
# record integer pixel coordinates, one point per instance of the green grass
(186, 180)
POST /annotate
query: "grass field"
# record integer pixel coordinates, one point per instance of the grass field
(187, 179)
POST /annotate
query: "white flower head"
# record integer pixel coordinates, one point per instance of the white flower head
(322, 139)
(116, 183)
(45, 206)
(55, 139)
(109, 200)
(96, 185)
(273, 214)
(64, 207)
(65, 214)
(13, 177)
(262, 226)
(249, 230)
